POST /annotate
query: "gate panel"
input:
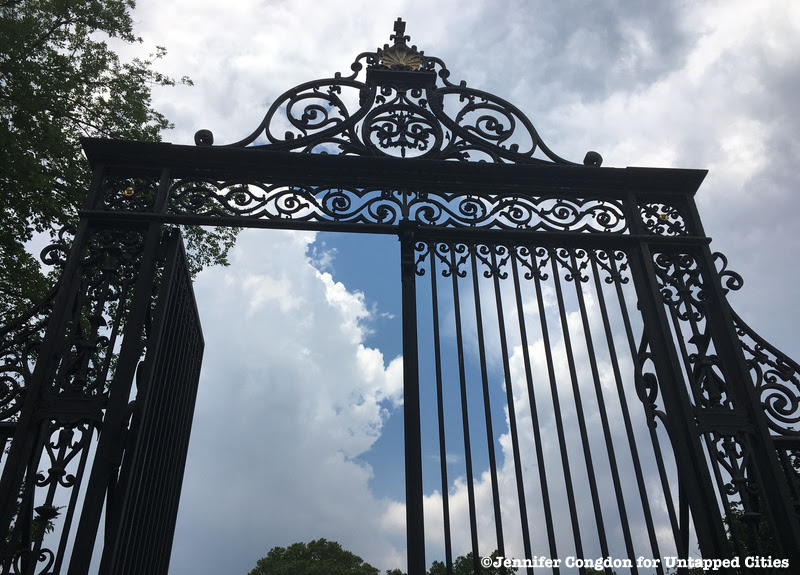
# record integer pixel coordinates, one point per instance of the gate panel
(58, 404)
(532, 406)
(144, 504)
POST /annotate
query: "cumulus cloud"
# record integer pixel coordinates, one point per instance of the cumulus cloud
(289, 397)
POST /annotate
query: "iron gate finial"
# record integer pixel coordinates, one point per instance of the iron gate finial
(400, 56)
(399, 36)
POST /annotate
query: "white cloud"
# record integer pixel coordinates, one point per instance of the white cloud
(289, 396)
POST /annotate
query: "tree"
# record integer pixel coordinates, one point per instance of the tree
(463, 565)
(60, 80)
(319, 557)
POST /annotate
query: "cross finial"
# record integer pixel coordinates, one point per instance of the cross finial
(399, 36)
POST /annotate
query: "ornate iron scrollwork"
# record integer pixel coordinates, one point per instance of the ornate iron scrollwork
(20, 338)
(129, 194)
(19, 346)
(664, 219)
(614, 263)
(493, 260)
(682, 287)
(109, 268)
(259, 200)
(399, 110)
(775, 376)
(647, 385)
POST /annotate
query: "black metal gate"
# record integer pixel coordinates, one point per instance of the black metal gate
(580, 304)
(138, 537)
(108, 291)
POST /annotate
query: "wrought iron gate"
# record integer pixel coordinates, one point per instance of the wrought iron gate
(579, 304)
(111, 290)
(139, 536)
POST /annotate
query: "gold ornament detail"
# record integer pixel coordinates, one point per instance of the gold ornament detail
(128, 192)
(400, 57)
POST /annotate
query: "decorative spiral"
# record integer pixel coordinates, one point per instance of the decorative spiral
(472, 209)
(781, 403)
(429, 213)
(11, 391)
(731, 281)
(518, 213)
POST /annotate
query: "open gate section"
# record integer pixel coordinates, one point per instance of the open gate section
(143, 505)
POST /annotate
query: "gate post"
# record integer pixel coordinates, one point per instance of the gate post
(415, 522)
(110, 442)
(764, 468)
(693, 472)
(714, 417)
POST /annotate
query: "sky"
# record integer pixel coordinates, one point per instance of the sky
(297, 433)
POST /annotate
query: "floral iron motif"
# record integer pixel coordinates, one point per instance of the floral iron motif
(399, 110)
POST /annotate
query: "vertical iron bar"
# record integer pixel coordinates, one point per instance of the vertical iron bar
(110, 441)
(683, 517)
(487, 408)
(537, 433)
(415, 521)
(58, 454)
(437, 352)
(683, 551)
(24, 524)
(636, 351)
(73, 501)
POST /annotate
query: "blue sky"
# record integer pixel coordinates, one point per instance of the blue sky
(298, 427)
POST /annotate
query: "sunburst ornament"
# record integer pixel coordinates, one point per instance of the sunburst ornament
(400, 56)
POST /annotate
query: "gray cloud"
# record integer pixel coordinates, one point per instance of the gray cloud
(665, 84)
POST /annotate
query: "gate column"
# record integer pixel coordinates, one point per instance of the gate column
(415, 527)
(659, 348)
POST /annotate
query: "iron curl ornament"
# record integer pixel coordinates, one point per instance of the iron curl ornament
(406, 106)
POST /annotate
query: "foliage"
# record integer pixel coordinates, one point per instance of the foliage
(749, 533)
(60, 80)
(463, 565)
(322, 557)
(41, 523)
(319, 557)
